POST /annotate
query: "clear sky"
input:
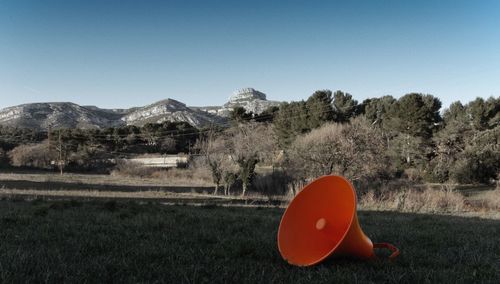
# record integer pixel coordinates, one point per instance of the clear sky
(119, 53)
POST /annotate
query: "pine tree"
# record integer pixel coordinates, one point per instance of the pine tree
(345, 106)
(319, 108)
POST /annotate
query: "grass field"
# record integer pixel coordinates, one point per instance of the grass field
(110, 241)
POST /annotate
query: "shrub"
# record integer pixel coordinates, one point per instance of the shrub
(355, 150)
(476, 167)
(32, 155)
(480, 161)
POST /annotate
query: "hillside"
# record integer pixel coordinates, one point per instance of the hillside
(170, 110)
(56, 115)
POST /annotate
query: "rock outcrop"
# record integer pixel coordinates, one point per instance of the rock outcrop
(247, 98)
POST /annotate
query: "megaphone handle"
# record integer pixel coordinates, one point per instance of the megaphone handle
(395, 250)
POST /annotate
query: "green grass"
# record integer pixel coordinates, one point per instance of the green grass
(63, 241)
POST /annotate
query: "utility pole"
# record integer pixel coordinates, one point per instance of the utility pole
(49, 137)
(60, 162)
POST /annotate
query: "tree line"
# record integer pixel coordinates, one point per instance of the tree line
(329, 132)
(377, 139)
(92, 149)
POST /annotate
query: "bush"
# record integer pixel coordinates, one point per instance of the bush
(32, 155)
(476, 167)
(355, 150)
(480, 161)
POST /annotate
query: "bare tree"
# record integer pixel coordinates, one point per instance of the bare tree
(213, 149)
(353, 150)
(32, 155)
(250, 143)
(229, 175)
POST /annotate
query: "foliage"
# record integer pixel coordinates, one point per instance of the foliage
(480, 160)
(416, 115)
(377, 110)
(319, 108)
(290, 121)
(239, 114)
(345, 106)
(484, 114)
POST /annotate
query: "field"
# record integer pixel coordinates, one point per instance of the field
(118, 241)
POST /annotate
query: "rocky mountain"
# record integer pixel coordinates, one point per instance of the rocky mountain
(248, 98)
(56, 115)
(41, 116)
(170, 110)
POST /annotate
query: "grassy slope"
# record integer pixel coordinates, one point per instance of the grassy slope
(126, 242)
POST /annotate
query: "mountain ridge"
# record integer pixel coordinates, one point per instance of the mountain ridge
(44, 115)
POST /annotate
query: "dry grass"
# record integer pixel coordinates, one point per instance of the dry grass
(187, 176)
(173, 177)
(132, 169)
(395, 196)
(35, 193)
(489, 200)
(413, 200)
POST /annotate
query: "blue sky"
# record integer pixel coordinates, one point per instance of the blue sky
(123, 53)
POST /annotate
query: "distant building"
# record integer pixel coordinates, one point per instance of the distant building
(166, 161)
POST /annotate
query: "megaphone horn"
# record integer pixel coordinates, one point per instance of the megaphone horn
(321, 222)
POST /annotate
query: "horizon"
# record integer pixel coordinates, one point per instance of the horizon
(123, 54)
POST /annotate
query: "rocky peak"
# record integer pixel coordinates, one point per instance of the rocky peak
(249, 99)
(247, 94)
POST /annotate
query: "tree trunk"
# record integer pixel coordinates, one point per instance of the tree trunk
(216, 188)
(244, 189)
(408, 159)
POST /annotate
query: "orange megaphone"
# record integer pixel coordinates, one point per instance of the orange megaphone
(321, 221)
